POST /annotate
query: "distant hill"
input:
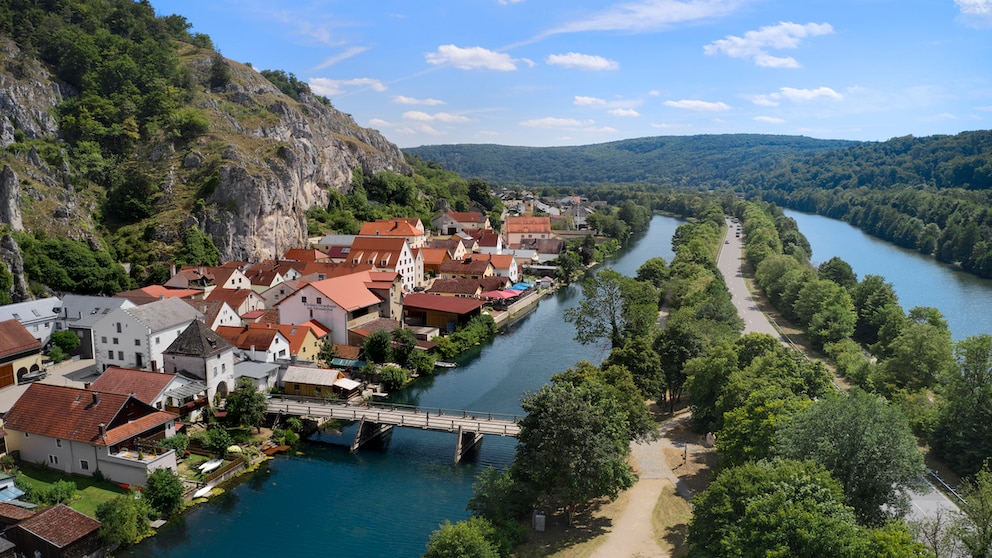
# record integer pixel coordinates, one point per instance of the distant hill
(664, 161)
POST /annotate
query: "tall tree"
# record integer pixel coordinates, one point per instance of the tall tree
(973, 526)
(246, 405)
(866, 444)
(963, 436)
(613, 308)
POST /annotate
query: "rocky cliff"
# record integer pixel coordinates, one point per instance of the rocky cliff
(248, 181)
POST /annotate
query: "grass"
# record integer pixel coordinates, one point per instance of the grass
(91, 493)
(670, 519)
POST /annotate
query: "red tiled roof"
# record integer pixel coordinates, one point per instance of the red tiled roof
(467, 216)
(348, 352)
(450, 304)
(145, 385)
(295, 334)
(60, 525)
(527, 225)
(391, 227)
(304, 255)
(456, 286)
(468, 266)
(14, 339)
(258, 335)
(75, 414)
(348, 292)
(233, 297)
(434, 256)
(319, 329)
(151, 293)
(14, 513)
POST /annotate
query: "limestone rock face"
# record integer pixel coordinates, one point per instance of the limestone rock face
(27, 96)
(10, 255)
(10, 194)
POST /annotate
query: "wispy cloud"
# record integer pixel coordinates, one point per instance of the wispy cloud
(645, 16)
(508, 2)
(421, 116)
(583, 101)
(472, 58)
(579, 61)
(975, 12)
(769, 119)
(329, 87)
(796, 95)
(552, 122)
(697, 105)
(404, 100)
(756, 44)
(332, 60)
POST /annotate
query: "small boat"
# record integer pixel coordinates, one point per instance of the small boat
(211, 465)
(445, 364)
(203, 491)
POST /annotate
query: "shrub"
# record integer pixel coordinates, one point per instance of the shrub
(393, 377)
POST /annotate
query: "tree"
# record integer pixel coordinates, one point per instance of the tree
(920, 355)
(197, 249)
(67, 341)
(654, 271)
(570, 450)
(616, 388)
(404, 343)
(378, 347)
(613, 308)
(679, 342)
(220, 72)
(164, 491)
(972, 527)
(838, 271)
(465, 539)
(123, 520)
(246, 406)
(393, 377)
(750, 430)
(644, 364)
(707, 377)
(963, 435)
(6, 284)
(866, 444)
(327, 351)
(773, 508)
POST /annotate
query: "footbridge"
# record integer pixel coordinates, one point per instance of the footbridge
(378, 419)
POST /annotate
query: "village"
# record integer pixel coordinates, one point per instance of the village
(162, 360)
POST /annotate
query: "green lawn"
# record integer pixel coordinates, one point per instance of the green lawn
(91, 493)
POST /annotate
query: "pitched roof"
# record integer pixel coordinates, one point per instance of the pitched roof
(295, 334)
(450, 304)
(163, 314)
(14, 513)
(368, 328)
(348, 291)
(543, 245)
(332, 269)
(198, 340)
(83, 311)
(499, 261)
(527, 225)
(312, 376)
(468, 266)
(31, 310)
(377, 251)
(487, 238)
(304, 255)
(434, 256)
(234, 297)
(209, 308)
(14, 339)
(75, 414)
(459, 285)
(145, 385)
(467, 216)
(152, 293)
(60, 525)
(390, 227)
(257, 335)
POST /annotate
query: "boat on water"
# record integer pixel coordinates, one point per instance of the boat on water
(445, 364)
(203, 491)
(211, 465)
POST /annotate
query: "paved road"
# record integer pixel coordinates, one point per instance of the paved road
(925, 502)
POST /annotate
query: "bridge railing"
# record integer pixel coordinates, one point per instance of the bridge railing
(413, 409)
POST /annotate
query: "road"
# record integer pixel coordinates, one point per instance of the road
(925, 502)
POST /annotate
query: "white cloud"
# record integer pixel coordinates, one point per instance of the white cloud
(769, 119)
(654, 93)
(472, 58)
(330, 61)
(379, 123)
(646, 16)
(755, 44)
(552, 122)
(580, 61)
(436, 117)
(624, 112)
(404, 100)
(329, 87)
(669, 126)
(508, 2)
(703, 106)
(976, 12)
(796, 95)
(422, 130)
(944, 116)
(588, 101)
(985, 108)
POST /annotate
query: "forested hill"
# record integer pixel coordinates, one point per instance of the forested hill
(715, 160)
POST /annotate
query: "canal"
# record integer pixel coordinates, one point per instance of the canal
(323, 501)
(918, 280)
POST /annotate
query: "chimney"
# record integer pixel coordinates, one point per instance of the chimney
(96, 397)
(86, 385)
(103, 429)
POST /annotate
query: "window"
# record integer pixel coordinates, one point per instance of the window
(120, 355)
(118, 327)
(115, 341)
(103, 339)
(320, 300)
(58, 442)
(158, 340)
(84, 465)
(26, 435)
(303, 299)
(282, 353)
(137, 342)
(296, 387)
(53, 459)
(110, 355)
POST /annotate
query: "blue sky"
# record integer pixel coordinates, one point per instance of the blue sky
(551, 72)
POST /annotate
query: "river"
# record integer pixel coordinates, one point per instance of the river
(918, 280)
(323, 501)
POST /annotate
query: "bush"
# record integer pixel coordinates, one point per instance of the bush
(393, 377)
(164, 492)
(67, 341)
(179, 442)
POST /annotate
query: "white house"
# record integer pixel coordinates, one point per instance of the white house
(137, 337)
(340, 303)
(389, 254)
(258, 342)
(39, 317)
(79, 431)
(81, 313)
(199, 352)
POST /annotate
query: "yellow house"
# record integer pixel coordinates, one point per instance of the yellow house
(20, 353)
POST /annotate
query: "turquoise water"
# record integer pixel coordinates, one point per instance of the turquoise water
(918, 280)
(326, 502)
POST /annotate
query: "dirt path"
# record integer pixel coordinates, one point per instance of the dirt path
(633, 533)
